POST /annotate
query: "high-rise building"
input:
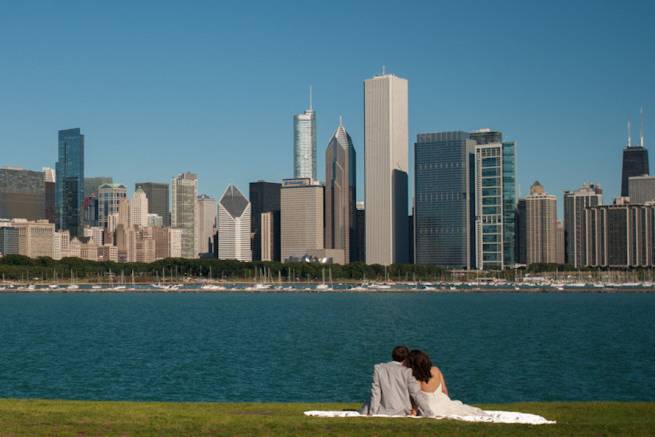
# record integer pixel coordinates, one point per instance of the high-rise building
(70, 181)
(267, 226)
(540, 226)
(495, 199)
(35, 238)
(304, 142)
(22, 194)
(264, 197)
(49, 180)
(619, 235)
(139, 209)
(158, 202)
(234, 226)
(340, 194)
(575, 237)
(301, 202)
(521, 234)
(109, 197)
(360, 219)
(385, 164)
(635, 160)
(8, 240)
(206, 225)
(91, 185)
(641, 189)
(444, 200)
(560, 247)
(185, 190)
(155, 221)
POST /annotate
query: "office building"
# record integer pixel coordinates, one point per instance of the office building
(155, 221)
(264, 197)
(158, 202)
(385, 165)
(22, 194)
(444, 200)
(92, 184)
(184, 194)
(360, 217)
(8, 240)
(69, 190)
(267, 239)
(139, 209)
(304, 142)
(109, 199)
(301, 214)
(575, 237)
(206, 223)
(641, 189)
(234, 226)
(35, 238)
(540, 226)
(96, 233)
(108, 252)
(560, 245)
(340, 194)
(635, 160)
(49, 182)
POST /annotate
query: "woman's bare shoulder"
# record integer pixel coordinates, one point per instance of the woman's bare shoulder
(435, 371)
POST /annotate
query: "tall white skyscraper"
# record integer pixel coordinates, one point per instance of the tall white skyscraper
(139, 209)
(234, 226)
(206, 222)
(304, 142)
(183, 216)
(109, 197)
(385, 166)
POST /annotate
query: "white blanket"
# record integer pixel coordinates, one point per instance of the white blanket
(492, 417)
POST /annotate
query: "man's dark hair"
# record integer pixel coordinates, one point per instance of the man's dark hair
(400, 353)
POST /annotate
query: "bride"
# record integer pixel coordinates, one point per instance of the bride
(433, 400)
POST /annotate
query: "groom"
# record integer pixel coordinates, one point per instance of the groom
(393, 387)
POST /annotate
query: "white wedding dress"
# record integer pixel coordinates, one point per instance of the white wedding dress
(438, 404)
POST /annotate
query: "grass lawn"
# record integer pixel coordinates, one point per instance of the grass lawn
(81, 418)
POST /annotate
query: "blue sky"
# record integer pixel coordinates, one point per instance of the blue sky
(163, 87)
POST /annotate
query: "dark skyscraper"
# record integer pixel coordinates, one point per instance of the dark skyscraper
(22, 194)
(635, 160)
(157, 194)
(70, 182)
(340, 202)
(264, 197)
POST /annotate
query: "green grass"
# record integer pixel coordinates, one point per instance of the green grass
(80, 418)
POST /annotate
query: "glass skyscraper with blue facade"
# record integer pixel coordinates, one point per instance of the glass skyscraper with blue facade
(444, 199)
(69, 192)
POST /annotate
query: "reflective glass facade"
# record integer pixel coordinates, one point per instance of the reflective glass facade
(69, 190)
(489, 205)
(509, 203)
(304, 144)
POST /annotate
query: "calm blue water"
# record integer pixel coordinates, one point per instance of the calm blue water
(321, 347)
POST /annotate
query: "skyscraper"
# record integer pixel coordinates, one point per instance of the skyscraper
(70, 181)
(444, 213)
(139, 209)
(304, 142)
(264, 197)
(385, 164)
(92, 184)
(206, 222)
(185, 191)
(22, 194)
(301, 210)
(158, 203)
(540, 226)
(234, 226)
(340, 192)
(635, 160)
(109, 196)
(641, 189)
(575, 236)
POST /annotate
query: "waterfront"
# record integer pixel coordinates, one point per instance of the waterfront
(320, 347)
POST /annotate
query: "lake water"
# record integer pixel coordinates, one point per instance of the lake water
(321, 347)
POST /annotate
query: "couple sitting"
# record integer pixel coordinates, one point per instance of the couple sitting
(411, 385)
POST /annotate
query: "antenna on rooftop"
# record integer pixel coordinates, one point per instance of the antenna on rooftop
(310, 98)
(629, 134)
(384, 70)
(641, 127)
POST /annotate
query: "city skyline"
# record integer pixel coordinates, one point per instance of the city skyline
(576, 87)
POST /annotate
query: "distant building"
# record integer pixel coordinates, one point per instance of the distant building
(560, 252)
(139, 209)
(185, 191)
(22, 194)
(340, 194)
(444, 200)
(96, 233)
(35, 238)
(109, 197)
(361, 232)
(206, 223)
(158, 202)
(8, 240)
(267, 238)
(234, 226)
(91, 185)
(521, 233)
(540, 226)
(635, 161)
(264, 197)
(641, 189)
(619, 236)
(301, 225)
(70, 181)
(155, 220)
(575, 237)
(304, 143)
(386, 167)
(49, 180)
(108, 252)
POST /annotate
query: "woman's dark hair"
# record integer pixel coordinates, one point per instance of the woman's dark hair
(421, 365)
(400, 353)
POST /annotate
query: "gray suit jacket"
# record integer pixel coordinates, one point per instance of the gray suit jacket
(392, 389)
